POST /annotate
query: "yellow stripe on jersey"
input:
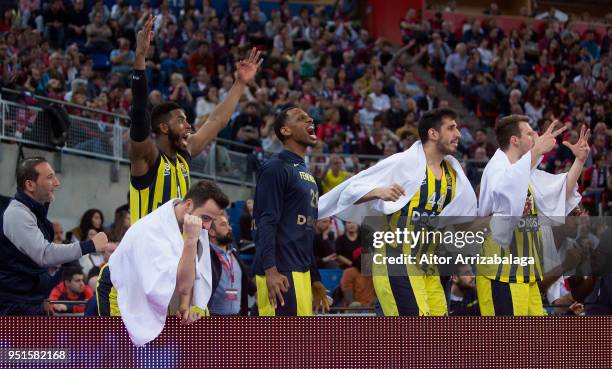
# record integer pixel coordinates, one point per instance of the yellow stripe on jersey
(526, 242)
(171, 181)
(392, 292)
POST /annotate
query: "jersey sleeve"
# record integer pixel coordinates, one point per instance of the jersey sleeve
(140, 127)
(269, 195)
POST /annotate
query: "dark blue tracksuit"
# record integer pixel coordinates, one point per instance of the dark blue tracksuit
(284, 213)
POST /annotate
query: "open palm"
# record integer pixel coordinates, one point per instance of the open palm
(246, 69)
(144, 36)
(581, 148)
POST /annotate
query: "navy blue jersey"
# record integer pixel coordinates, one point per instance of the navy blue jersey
(284, 214)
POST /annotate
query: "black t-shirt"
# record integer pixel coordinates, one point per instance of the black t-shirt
(345, 247)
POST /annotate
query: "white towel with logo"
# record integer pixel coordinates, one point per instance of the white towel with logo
(503, 192)
(407, 169)
(143, 271)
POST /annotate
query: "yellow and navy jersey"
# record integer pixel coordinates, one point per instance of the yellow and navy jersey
(167, 179)
(429, 200)
(526, 242)
(285, 210)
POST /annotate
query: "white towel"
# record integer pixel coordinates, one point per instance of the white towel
(143, 271)
(406, 169)
(503, 192)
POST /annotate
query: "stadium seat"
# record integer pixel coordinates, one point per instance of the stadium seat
(330, 278)
(100, 61)
(233, 213)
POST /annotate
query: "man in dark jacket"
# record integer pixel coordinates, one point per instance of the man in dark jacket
(26, 241)
(232, 282)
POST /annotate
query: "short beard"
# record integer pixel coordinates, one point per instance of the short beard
(443, 149)
(175, 140)
(225, 240)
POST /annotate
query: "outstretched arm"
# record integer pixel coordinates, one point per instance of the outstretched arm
(581, 151)
(218, 119)
(142, 151)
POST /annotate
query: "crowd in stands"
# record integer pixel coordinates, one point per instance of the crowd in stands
(361, 91)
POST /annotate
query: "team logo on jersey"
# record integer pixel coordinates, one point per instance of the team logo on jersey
(166, 169)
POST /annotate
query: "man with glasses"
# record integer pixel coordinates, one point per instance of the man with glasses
(165, 254)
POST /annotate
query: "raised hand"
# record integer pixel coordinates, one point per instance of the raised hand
(144, 36)
(581, 148)
(246, 69)
(548, 139)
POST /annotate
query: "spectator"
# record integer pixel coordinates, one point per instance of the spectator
(120, 225)
(408, 88)
(246, 126)
(26, 241)
(179, 93)
(481, 140)
(207, 103)
(534, 108)
(590, 43)
(357, 289)
(367, 114)
(246, 220)
(430, 100)
(328, 130)
(493, 9)
(232, 284)
(92, 279)
(409, 25)
(462, 293)
(55, 20)
(91, 219)
(455, 68)
(58, 233)
(409, 127)
(334, 174)
(226, 86)
(394, 117)
(167, 39)
(473, 34)
(72, 288)
(349, 242)
(99, 8)
(76, 23)
(98, 36)
(324, 251)
(201, 59)
(256, 27)
(122, 58)
(438, 52)
(380, 100)
(199, 85)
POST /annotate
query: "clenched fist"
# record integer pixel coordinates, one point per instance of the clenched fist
(100, 240)
(192, 226)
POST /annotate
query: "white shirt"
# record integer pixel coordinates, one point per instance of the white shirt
(381, 102)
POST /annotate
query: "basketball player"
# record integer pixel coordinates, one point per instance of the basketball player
(156, 256)
(513, 189)
(284, 213)
(423, 182)
(159, 169)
